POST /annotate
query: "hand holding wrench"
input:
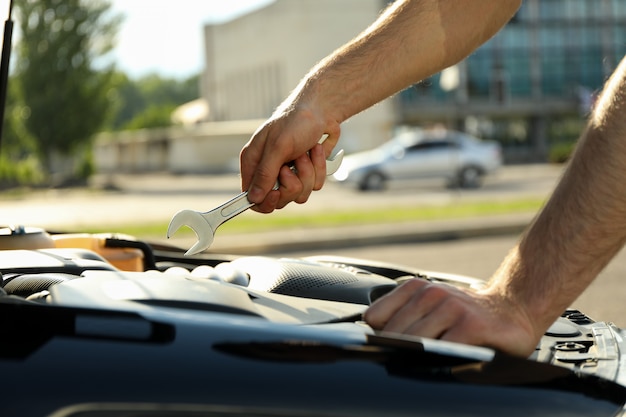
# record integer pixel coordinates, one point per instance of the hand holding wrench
(205, 224)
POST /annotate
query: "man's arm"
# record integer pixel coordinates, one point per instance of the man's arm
(574, 236)
(410, 41)
(583, 225)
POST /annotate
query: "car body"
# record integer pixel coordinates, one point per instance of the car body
(110, 326)
(458, 158)
(224, 335)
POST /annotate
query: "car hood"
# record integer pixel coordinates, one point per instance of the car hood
(266, 336)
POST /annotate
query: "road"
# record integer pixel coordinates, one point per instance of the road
(147, 198)
(479, 257)
(156, 197)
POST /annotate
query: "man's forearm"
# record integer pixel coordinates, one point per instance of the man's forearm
(583, 224)
(410, 41)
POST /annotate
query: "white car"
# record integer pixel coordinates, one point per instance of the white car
(462, 160)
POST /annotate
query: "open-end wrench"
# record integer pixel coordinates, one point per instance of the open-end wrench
(205, 224)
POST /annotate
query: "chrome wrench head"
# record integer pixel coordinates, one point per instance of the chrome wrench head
(196, 222)
(204, 225)
(333, 164)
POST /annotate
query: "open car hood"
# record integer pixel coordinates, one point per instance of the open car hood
(222, 335)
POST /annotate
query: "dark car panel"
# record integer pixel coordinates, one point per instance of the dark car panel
(288, 340)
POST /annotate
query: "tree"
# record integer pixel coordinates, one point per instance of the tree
(67, 97)
(18, 161)
(148, 101)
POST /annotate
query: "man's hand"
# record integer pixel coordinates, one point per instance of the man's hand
(421, 308)
(291, 137)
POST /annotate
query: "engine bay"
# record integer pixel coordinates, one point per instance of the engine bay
(95, 308)
(301, 291)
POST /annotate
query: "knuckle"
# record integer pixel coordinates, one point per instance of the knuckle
(263, 173)
(373, 318)
(301, 200)
(453, 307)
(433, 291)
(412, 285)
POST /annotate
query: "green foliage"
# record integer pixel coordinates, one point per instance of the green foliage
(563, 134)
(67, 99)
(566, 129)
(86, 167)
(25, 171)
(561, 152)
(19, 165)
(127, 101)
(16, 139)
(160, 90)
(152, 117)
(252, 222)
(143, 103)
(59, 98)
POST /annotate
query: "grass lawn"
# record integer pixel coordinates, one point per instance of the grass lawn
(252, 222)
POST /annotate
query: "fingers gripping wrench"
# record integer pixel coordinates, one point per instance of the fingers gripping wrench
(205, 224)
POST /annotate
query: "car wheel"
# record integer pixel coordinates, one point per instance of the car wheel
(470, 177)
(374, 181)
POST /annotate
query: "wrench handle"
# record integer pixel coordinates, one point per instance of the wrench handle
(235, 206)
(230, 209)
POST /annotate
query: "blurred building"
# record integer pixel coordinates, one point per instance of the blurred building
(254, 61)
(545, 66)
(542, 68)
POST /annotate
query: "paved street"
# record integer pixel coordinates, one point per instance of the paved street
(156, 197)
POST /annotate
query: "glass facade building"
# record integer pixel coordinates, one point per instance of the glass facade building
(540, 65)
(550, 48)
(566, 44)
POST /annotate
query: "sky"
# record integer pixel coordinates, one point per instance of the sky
(165, 36)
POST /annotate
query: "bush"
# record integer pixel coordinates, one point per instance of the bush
(152, 117)
(560, 153)
(25, 172)
(86, 167)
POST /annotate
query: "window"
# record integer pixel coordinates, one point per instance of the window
(550, 10)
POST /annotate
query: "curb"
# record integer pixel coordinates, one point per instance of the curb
(303, 239)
